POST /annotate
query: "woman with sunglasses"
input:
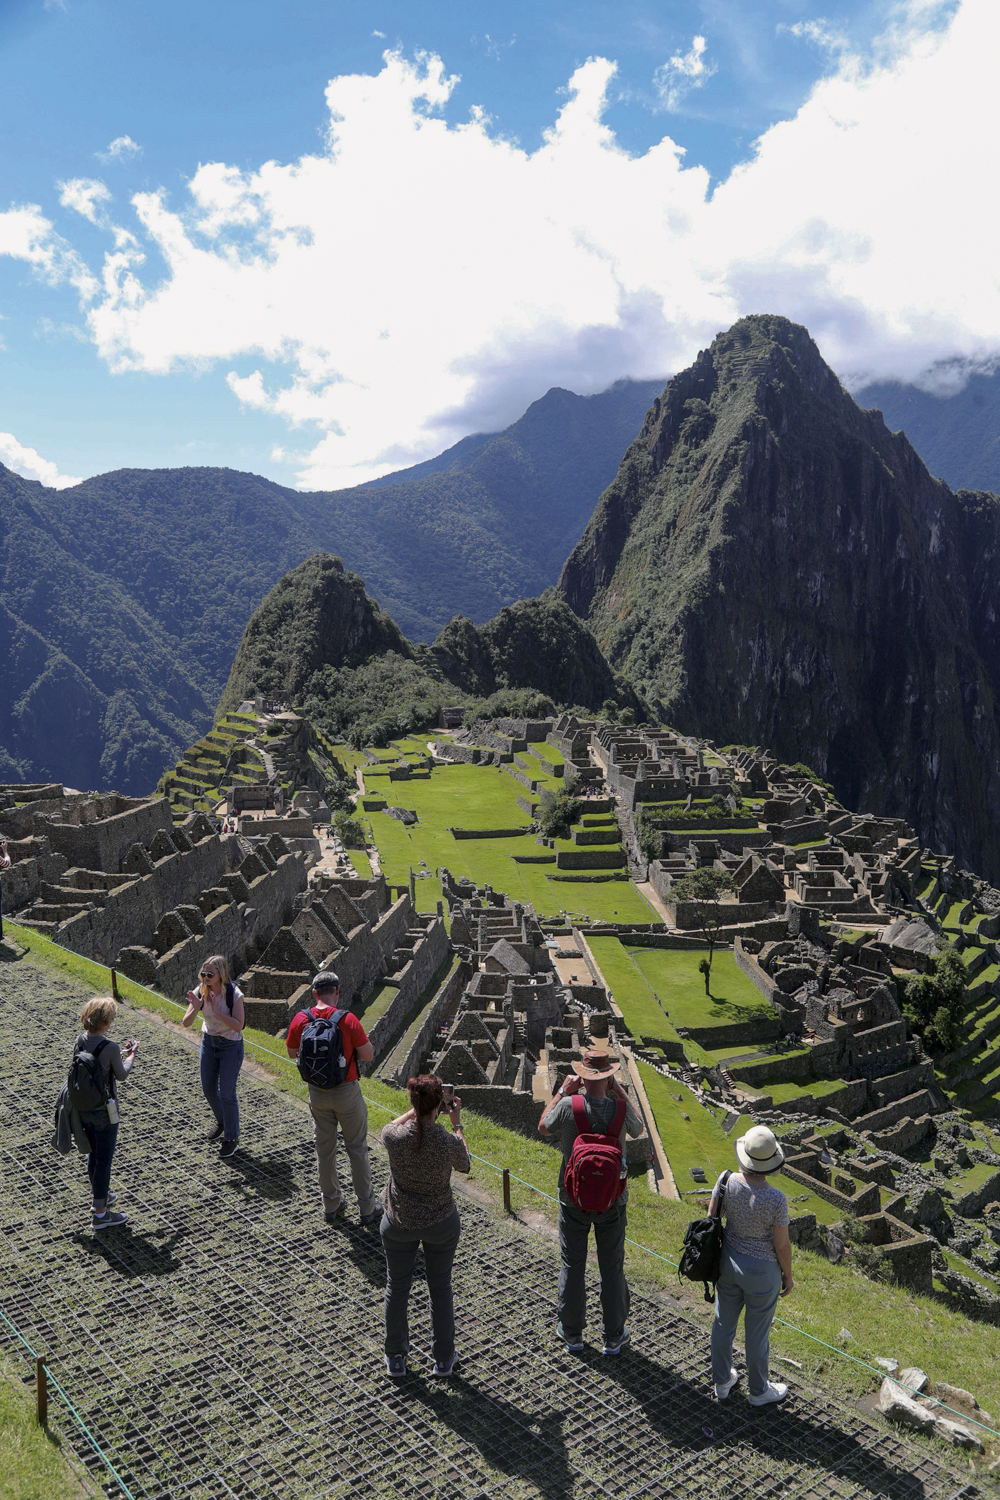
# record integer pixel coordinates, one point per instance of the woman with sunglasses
(222, 1020)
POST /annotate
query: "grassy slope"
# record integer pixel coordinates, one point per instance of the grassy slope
(631, 990)
(676, 981)
(882, 1320)
(32, 1466)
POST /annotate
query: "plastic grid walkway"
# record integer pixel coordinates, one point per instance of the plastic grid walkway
(227, 1343)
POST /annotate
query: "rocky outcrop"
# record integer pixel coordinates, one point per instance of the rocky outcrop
(773, 566)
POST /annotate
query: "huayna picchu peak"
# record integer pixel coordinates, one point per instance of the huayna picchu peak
(773, 566)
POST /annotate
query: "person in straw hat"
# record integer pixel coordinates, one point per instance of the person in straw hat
(594, 1078)
(756, 1265)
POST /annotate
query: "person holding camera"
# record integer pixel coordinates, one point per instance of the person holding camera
(756, 1265)
(222, 1021)
(420, 1210)
(590, 1115)
(97, 1067)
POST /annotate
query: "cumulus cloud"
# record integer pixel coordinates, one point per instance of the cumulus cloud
(819, 32)
(85, 195)
(122, 148)
(31, 465)
(682, 73)
(415, 279)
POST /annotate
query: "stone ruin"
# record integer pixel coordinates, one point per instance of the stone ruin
(115, 879)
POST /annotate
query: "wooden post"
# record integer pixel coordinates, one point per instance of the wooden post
(506, 1191)
(114, 983)
(41, 1391)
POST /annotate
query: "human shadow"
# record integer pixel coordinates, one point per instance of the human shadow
(686, 1415)
(525, 1444)
(363, 1248)
(271, 1177)
(133, 1255)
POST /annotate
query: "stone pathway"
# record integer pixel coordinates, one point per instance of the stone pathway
(226, 1344)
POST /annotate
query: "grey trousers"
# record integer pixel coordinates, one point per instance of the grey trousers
(440, 1241)
(334, 1110)
(745, 1282)
(609, 1235)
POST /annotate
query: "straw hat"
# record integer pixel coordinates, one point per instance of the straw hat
(596, 1064)
(759, 1151)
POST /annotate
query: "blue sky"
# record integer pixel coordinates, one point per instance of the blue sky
(427, 281)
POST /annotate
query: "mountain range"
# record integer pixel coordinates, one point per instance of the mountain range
(123, 599)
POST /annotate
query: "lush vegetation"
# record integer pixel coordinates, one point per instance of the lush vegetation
(123, 598)
(934, 1003)
(704, 889)
(557, 812)
(31, 1464)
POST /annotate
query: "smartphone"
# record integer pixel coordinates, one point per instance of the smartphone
(447, 1095)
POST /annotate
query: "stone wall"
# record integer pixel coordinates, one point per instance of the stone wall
(756, 975)
(910, 1106)
(103, 843)
(972, 1203)
(429, 954)
(590, 859)
(441, 1009)
(802, 1168)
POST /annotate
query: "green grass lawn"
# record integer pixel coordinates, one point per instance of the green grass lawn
(362, 864)
(782, 1092)
(631, 990)
(32, 1466)
(484, 797)
(694, 1142)
(675, 980)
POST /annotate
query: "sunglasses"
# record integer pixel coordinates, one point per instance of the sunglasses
(208, 974)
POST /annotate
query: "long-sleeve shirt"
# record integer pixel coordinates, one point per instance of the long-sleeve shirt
(109, 1059)
(418, 1193)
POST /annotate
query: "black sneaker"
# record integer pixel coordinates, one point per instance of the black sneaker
(214, 1133)
(335, 1215)
(228, 1149)
(368, 1220)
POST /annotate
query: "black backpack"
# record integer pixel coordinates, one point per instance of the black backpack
(87, 1085)
(321, 1051)
(701, 1258)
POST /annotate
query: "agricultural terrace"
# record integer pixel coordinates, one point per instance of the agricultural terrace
(485, 797)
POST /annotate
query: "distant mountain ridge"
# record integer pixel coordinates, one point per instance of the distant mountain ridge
(773, 566)
(958, 437)
(123, 599)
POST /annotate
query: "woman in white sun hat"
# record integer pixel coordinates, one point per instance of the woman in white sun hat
(756, 1265)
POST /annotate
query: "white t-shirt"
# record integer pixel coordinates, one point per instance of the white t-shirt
(216, 1019)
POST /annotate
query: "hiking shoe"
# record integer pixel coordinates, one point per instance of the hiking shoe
(615, 1346)
(395, 1365)
(367, 1220)
(111, 1200)
(215, 1133)
(228, 1149)
(334, 1215)
(774, 1391)
(108, 1220)
(447, 1368)
(723, 1388)
(573, 1341)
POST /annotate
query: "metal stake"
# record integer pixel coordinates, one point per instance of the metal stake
(506, 1191)
(41, 1391)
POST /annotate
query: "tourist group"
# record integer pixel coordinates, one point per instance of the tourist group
(589, 1117)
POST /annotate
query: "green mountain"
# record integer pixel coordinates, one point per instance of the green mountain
(773, 566)
(319, 642)
(125, 597)
(958, 437)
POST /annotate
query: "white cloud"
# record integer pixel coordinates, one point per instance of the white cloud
(415, 280)
(84, 195)
(681, 73)
(819, 32)
(31, 465)
(122, 148)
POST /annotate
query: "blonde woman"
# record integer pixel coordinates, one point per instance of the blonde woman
(222, 1020)
(98, 1064)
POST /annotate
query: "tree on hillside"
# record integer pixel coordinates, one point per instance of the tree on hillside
(705, 888)
(934, 1003)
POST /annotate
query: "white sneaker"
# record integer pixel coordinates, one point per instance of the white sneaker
(722, 1391)
(772, 1392)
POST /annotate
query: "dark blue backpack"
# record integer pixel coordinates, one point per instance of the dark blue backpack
(321, 1051)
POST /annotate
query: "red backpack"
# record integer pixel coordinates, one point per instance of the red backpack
(593, 1178)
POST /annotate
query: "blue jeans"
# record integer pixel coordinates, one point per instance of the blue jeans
(103, 1137)
(440, 1242)
(221, 1060)
(745, 1282)
(609, 1235)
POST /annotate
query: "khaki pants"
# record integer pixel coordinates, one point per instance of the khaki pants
(342, 1108)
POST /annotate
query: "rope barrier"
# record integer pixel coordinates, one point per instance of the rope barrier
(51, 1380)
(484, 1161)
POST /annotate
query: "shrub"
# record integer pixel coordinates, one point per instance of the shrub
(350, 831)
(557, 811)
(934, 1003)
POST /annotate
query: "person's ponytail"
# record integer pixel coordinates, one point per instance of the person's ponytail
(426, 1094)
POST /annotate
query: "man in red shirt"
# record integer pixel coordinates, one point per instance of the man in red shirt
(342, 1108)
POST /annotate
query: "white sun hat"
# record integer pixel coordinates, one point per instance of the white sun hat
(759, 1151)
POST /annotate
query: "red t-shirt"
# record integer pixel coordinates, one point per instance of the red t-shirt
(352, 1034)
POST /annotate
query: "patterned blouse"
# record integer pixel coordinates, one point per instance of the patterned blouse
(750, 1214)
(418, 1193)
